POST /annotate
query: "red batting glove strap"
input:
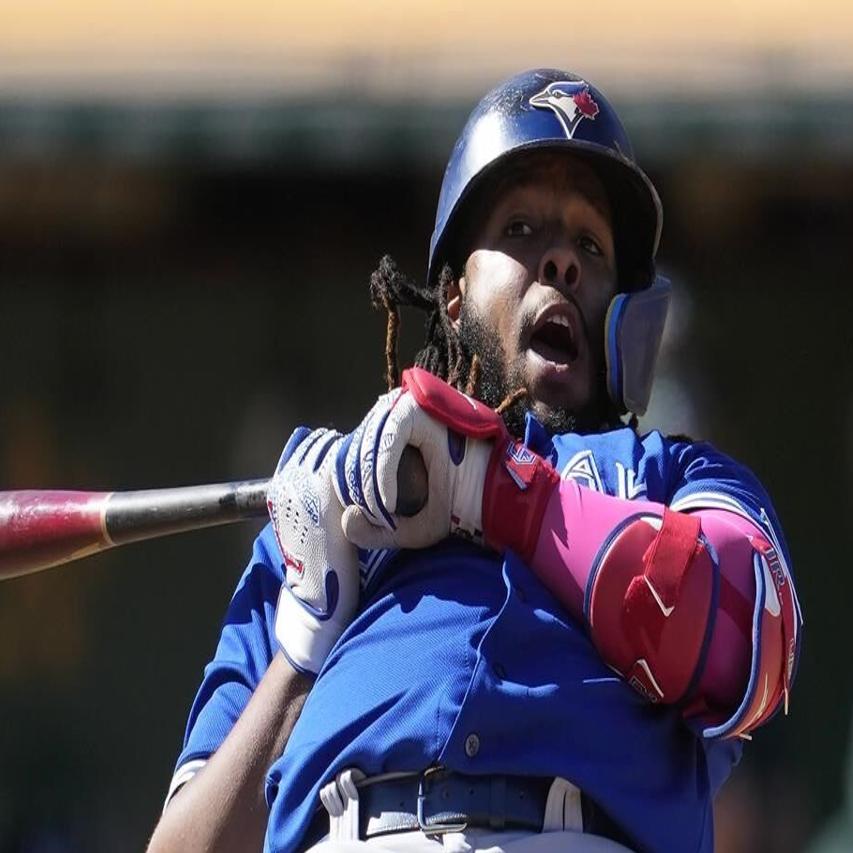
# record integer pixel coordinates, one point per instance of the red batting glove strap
(665, 564)
(519, 484)
(457, 410)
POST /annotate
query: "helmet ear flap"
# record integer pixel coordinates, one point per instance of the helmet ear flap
(633, 332)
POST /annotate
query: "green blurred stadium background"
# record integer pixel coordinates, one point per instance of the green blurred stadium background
(192, 198)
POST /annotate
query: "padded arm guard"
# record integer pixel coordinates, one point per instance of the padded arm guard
(653, 602)
(651, 618)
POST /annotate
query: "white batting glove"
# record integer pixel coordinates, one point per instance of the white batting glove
(482, 483)
(367, 468)
(320, 594)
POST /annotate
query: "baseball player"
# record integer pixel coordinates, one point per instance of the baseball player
(566, 645)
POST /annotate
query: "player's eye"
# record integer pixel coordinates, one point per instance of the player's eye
(518, 228)
(591, 246)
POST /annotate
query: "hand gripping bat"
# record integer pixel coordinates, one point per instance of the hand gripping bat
(40, 529)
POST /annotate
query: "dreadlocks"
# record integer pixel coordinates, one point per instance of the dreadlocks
(442, 353)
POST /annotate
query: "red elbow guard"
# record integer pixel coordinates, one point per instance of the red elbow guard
(649, 604)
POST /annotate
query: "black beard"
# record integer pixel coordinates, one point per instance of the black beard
(497, 381)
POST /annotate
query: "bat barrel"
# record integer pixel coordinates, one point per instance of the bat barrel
(44, 528)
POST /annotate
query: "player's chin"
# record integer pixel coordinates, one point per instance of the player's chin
(558, 386)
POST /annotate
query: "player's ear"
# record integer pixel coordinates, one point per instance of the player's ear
(455, 292)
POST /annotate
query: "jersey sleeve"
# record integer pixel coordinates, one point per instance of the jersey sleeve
(701, 477)
(245, 649)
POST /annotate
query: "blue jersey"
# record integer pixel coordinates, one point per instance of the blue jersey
(461, 657)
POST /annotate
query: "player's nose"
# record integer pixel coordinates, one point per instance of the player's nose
(560, 267)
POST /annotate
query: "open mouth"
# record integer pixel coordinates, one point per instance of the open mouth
(553, 339)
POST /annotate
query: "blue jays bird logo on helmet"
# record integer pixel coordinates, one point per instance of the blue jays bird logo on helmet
(571, 102)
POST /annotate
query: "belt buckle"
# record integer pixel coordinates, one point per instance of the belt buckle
(433, 828)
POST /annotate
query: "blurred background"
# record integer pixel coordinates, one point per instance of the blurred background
(192, 198)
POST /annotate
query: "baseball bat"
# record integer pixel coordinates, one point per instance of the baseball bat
(40, 529)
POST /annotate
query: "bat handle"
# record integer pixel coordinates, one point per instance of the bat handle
(132, 516)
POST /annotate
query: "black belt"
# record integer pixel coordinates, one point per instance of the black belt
(440, 801)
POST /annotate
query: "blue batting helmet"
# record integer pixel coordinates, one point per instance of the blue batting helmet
(556, 110)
